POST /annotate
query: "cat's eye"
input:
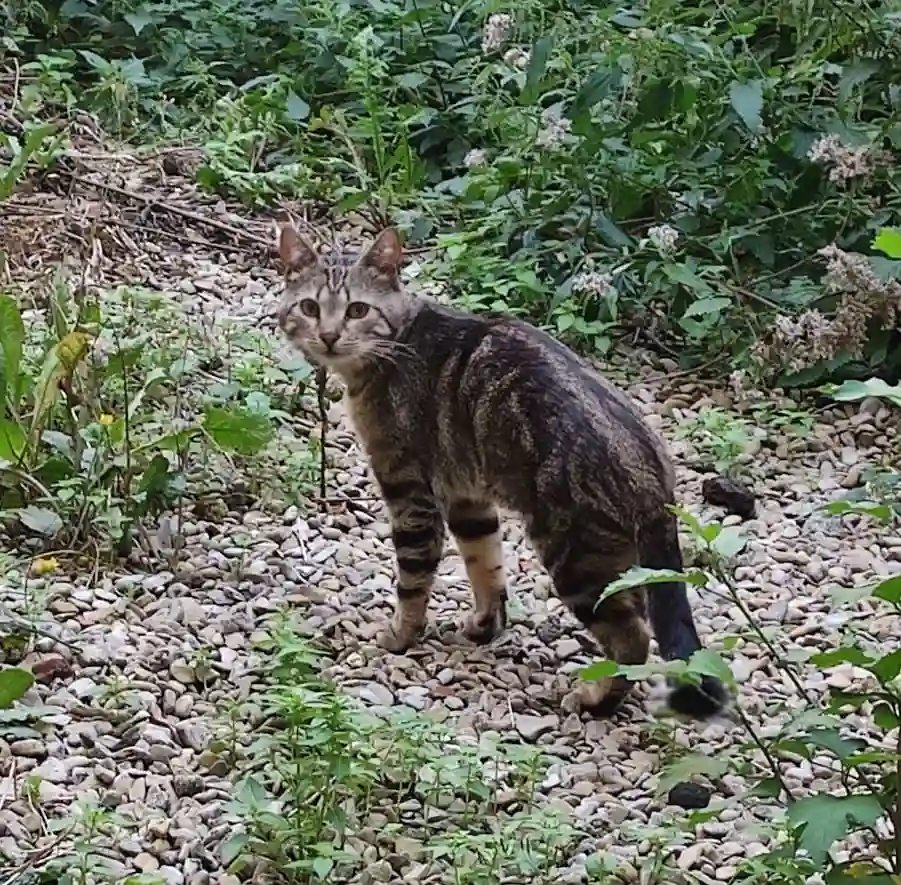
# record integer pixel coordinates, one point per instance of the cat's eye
(309, 308)
(356, 310)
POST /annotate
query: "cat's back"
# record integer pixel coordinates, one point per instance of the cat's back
(532, 406)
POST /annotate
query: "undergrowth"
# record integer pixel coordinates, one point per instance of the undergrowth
(663, 169)
(331, 792)
(116, 409)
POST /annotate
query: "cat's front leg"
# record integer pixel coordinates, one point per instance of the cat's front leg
(417, 528)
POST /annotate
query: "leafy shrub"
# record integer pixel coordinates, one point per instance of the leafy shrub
(669, 168)
(809, 824)
(99, 427)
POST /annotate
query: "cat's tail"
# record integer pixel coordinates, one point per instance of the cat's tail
(673, 623)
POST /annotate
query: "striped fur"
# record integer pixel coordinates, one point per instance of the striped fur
(461, 414)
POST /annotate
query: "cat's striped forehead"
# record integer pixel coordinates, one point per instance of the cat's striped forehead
(332, 277)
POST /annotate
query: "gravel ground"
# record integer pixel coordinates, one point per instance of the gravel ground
(130, 705)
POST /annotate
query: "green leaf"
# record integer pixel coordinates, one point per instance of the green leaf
(707, 662)
(705, 306)
(40, 520)
(95, 61)
(12, 337)
(238, 429)
(14, 683)
(598, 670)
(888, 241)
(690, 521)
(688, 768)
(880, 512)
(790, 746)
(885, 717)
(830, 739)
(839, 699)
(138, 20)
(888, 590)
(747, 101)
(824, 819)
(851, 391)
(12, 441)
(596, 86)
(322, 866)
(233, 847)
(173, 442)
(297, 109)
(768, 787)
(637, 576)
(564, 322)
(855, 74)
(680, 273)
(676, 669)
(872, 757)
(538, 60)
(728, 543)
(887, 667)
(412, 79)
(610, 233)
(845, 655)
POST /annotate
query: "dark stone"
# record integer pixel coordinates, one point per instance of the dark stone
(730, 494)
(688, 795)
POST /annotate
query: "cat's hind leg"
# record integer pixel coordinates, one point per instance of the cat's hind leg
(477, 531)
(619, 623)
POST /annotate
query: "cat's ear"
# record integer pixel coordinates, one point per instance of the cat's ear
(295, 250)
(385, 254)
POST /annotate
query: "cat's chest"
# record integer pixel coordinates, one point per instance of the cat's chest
(377, 422)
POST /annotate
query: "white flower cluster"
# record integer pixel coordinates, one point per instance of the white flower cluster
(594, 283)
(554, 130)
(742, 389)
(517, 58)
(496, 31)
(663, 237)
(846, 162)
(475, 158)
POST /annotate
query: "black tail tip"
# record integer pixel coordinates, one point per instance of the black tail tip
(699, 701)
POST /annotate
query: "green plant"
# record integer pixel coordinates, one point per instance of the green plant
(86, 836)
(867, 792)
(99, 430)
(672, 172)
(14, 684)
(321, 770)
(720, 436)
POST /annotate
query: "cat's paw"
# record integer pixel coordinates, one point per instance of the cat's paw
(600, 698)
(395, 640)
(482, 627)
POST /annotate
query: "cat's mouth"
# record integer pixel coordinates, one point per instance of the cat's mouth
(336, 358)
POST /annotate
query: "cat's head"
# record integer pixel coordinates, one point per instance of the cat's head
(341, 310)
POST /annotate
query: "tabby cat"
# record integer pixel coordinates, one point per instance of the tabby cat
(461, 414)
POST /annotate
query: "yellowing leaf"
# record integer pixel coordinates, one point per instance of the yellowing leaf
(44, 566)
(59, 363)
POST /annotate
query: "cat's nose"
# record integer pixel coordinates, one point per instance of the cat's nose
(329, 338)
